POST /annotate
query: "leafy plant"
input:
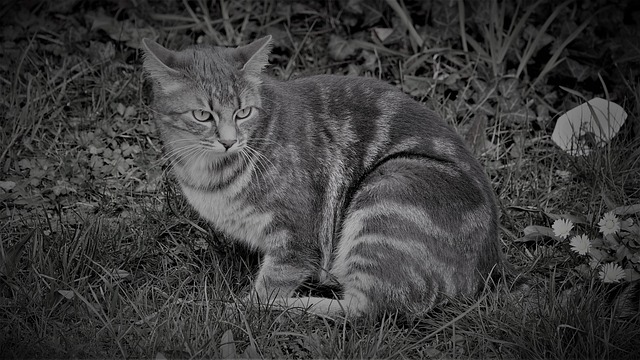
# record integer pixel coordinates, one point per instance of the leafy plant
(611, 246)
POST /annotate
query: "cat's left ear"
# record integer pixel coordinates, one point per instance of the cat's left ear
(159, 62)
(255, 55)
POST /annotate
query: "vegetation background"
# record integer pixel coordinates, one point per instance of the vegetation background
(100, 256)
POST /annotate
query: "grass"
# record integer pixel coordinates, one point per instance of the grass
(101, 257)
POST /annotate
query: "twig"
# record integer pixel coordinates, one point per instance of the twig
(227, 24)
(407, 23)
(463, 32)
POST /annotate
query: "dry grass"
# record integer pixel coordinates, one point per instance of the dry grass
(102, 257)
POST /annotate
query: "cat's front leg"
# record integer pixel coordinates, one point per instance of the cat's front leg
(279, 276)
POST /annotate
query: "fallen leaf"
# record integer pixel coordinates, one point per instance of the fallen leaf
(120, 108)
(382, 33)
(251, 353)
(228, 346)
(340, 49)
(370, 60)
(68, 294)
(9, 258)
(25, 164)
(631, 275)
(7, 185)
(593, 123)
(101, 51)
(576, 219)
(627, 210)
(578, 71)
(120, 274)
(125, 31)
(476, 135)
(508, 88)
(535, 232)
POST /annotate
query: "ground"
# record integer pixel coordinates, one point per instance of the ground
(101, 257)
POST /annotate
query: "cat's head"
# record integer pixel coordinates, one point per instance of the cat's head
(206, 98)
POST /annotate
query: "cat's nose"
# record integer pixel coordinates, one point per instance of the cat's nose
(227, 143)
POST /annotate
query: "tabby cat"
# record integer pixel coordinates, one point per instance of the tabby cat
(336, 179)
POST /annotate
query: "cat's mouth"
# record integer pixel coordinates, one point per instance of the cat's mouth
(223, 147)
(229, 145)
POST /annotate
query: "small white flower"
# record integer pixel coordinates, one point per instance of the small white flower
(580, 244)
(564, 175)
(611, 273)
(201, 244)
(562, 227)
(609, 224)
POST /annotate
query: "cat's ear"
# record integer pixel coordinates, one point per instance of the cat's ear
(255, 55)
(158, 61)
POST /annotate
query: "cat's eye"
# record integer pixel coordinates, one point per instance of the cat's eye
(202, 115)
(243, 113)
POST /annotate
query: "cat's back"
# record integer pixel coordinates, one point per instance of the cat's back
(363, 105)
(344, 90)
(373, 118)
(331, 81)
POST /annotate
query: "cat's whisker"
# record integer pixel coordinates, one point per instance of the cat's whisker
(257, 173)
(175, 153)
(177, 143)
(262, 159)
(184, 153)
(264, 141)
(173, 144)
(248, 161)
(194, 156)
(167, 158)
(173, 156)
(260, 166)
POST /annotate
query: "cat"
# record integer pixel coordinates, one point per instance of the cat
(336, 179)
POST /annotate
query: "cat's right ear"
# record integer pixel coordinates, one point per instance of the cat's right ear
(255, 56)
(158, 61)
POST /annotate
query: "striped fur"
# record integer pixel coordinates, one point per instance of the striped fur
(337, 179)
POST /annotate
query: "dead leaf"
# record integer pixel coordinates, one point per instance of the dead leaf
(631, 275)
(102, 51)
(476, 135)
(251, 353)
(228, 346)
(7, 185)
(509, 87)
(120, 274)
(67, 294)
(417, 86)
(354, 6)
(578, 71)
(370, 60)
(576, 219)
(125, 31)
(627, 210)
(382, 33)
(535, 232)
(340, 49)
(9, 258)
(592, 124)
